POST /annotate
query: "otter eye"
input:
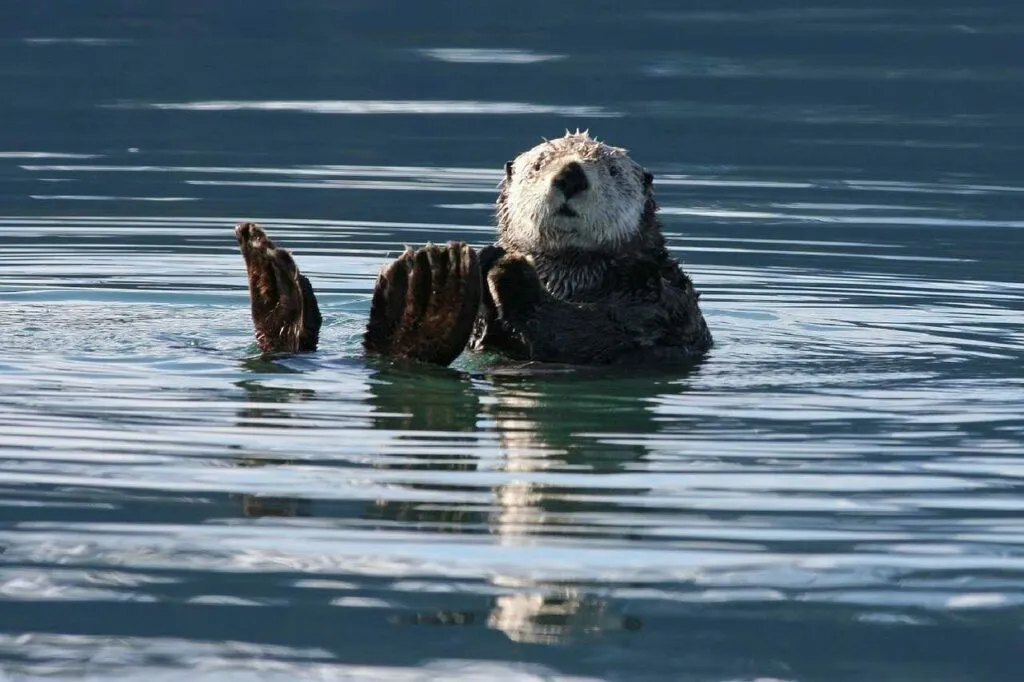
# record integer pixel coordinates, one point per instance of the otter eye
(613, 171)
(536, 166)
(508, 169)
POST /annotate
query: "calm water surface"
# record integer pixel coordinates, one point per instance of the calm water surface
(836, 493)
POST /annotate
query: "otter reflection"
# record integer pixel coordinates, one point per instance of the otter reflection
(560, 615)
(263, 405)
(409, 400)
(514, 422)
(521, 423)
(266, 404)
(537, 614)
(433, 411)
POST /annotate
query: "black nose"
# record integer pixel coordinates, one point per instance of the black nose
(571, 180)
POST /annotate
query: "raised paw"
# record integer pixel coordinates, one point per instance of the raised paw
(514, 286)
(488, 256)
(424, 304)
(284, 308)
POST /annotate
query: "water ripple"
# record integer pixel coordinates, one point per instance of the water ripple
(846, 464)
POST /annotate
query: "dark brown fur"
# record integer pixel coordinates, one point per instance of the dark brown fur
(424, 302)
(284, 308)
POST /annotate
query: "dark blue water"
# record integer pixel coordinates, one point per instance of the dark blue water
(835, 494)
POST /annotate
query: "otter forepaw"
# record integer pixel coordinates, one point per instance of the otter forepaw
(424, 304)
(284, 308)
(514, 285)
(488, 256)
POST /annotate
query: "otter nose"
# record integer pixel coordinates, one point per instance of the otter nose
(571, 180)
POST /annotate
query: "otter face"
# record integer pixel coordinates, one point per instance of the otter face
(571, 192)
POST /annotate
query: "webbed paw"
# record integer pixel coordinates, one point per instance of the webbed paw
(284, 308)
(425, 303)
(488, 256)
(514, 286)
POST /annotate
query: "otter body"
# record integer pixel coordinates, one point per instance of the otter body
(579, 274)
(586, 308)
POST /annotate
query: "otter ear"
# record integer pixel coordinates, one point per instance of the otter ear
(508, 170)
(648, 180)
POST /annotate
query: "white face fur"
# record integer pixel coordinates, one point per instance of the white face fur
(543, 211)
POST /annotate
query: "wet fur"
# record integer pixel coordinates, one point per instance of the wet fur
(583, 279)
(284, 308)
(424, 302)
(618, 298)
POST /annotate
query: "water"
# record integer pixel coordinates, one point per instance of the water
(835, 494)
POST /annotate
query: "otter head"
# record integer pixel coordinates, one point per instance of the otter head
(572, 192)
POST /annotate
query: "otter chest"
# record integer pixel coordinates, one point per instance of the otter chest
(573, 279)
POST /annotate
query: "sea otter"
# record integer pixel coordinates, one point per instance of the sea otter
(579, 275)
